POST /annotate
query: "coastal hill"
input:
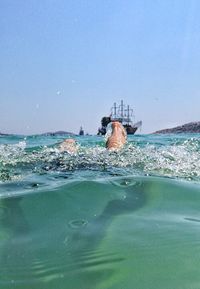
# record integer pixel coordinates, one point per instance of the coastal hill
(4, 134)
(192, 127)
(60, 132)
(47, 133)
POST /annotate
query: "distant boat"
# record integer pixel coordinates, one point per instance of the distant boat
(81, 131)
(123, 114)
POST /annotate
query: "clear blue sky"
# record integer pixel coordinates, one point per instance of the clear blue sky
(64, 63)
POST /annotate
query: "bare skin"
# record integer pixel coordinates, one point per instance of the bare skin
(114, 143)
(68, 145)
(118, 137)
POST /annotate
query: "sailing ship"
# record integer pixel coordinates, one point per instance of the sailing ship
(81, 131)
(124, 115)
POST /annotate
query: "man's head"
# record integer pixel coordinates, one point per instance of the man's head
(117, 126)
(118, 137)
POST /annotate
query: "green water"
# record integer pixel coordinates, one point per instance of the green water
(99, 220)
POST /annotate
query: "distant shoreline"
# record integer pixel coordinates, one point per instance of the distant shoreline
(191, 127)
(61, 133)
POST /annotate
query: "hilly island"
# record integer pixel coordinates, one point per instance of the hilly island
(191, 127)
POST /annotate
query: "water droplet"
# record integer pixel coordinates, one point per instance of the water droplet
(75, 224)
(35, 185)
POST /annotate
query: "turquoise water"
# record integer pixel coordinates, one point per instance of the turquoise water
(100, 219)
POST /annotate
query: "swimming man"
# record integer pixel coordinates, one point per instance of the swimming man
(115, 141)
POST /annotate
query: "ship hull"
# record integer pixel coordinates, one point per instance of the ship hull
(130, 129)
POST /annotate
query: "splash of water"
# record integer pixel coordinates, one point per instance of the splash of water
(178, 159)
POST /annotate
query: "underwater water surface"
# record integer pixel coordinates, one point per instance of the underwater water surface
(99, 219)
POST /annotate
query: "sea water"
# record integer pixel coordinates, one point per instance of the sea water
(98, 219)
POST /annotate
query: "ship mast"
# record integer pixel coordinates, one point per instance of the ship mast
(115, 110)
(128, 114)
(122, 110)
(121, 113)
